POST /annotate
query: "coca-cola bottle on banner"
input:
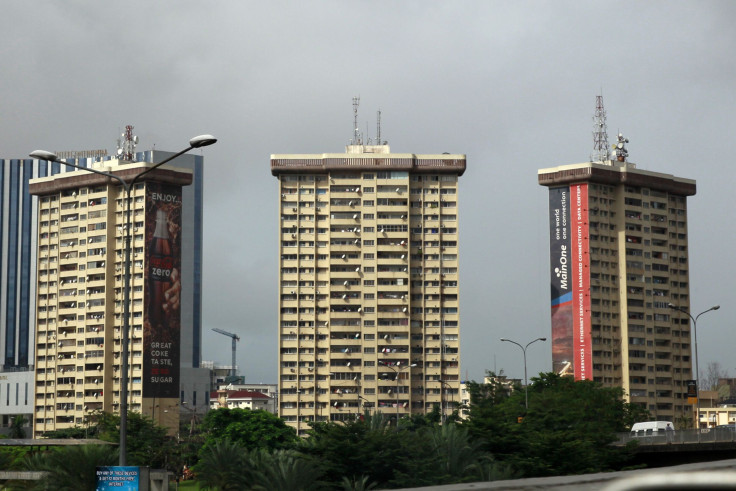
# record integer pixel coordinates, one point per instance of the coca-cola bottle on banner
(161, 266)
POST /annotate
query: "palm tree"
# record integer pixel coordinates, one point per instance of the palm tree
(357, 484)
(462, 458)
(284, 470)
(224, 467)
(453, 446)
(71, 468)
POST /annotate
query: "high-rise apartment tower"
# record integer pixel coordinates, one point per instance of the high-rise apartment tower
(79, 317)
(368, 283)
(619, 256)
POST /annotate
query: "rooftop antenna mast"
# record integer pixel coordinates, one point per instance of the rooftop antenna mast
(356, 131)
(378, 128)
(601, 151)
(620, 146)
(126, 147)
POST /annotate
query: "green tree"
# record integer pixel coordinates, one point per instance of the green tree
(567, 428)
(75, 433)
(147, 443)
(250, 429)
(17, 426)
(371, 448)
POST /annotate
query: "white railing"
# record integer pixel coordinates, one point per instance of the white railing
(704, 435)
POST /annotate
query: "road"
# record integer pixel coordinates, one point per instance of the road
(690, 474)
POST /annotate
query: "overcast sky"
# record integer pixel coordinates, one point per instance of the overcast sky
(511, 84)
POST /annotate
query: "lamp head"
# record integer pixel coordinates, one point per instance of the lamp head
(671, 305)
(543, 339)
(715, 307)
(202, 141)
(504, 339)
(44, 155)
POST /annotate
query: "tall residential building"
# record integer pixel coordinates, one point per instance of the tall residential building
(368, 283)
(18, 242)
(80, 231)
(619, 256)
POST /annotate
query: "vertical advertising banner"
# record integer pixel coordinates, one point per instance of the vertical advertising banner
(560, 278)
(162, 317)
(580, 260)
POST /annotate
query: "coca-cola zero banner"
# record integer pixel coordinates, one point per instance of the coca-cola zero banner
(162, 317)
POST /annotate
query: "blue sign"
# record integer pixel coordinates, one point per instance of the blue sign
(118, 478)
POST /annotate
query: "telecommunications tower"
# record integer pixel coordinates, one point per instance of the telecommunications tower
(601, 151)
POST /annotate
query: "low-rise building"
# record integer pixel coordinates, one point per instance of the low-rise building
(243, 399)
(724, 414)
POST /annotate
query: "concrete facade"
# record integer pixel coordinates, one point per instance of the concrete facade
(368, 283)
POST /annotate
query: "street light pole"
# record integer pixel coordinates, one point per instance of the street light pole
(397, 372)
(364, 404)
(196, 142)
(445, 387)
(697, 371)
(526, 381)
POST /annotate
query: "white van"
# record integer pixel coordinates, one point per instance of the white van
(650, 428)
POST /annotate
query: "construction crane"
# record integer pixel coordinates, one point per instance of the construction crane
(235, 338)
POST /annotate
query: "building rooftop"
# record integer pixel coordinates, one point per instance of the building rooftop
(241, 394)
(363, 157)
(613, 174)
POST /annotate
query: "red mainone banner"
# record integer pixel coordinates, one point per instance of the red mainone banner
(580, 262)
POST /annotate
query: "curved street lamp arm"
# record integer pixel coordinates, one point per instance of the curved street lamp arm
(715, 307)
(511, 341)
(534, 341)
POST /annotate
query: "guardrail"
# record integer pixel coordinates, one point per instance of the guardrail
(703, 435)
